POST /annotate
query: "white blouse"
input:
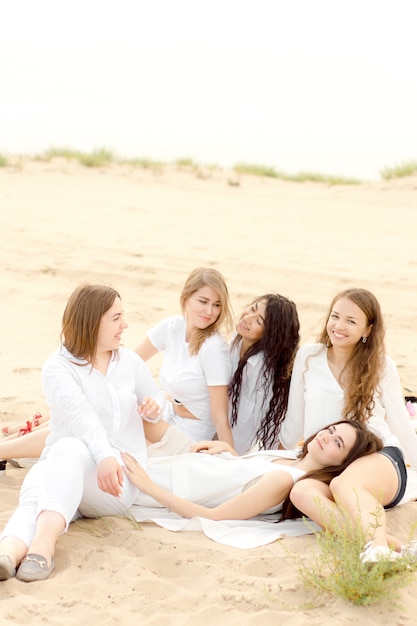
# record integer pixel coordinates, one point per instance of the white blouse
(100, 410)
(316, 399)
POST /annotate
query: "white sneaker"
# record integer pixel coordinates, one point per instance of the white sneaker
(409, 550)
(374, 554)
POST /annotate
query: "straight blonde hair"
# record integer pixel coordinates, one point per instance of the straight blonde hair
(202, 277)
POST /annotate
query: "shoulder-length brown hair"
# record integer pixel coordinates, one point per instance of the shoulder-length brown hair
(364, 369)
(367, 442)
(81, 320)
(201, 277)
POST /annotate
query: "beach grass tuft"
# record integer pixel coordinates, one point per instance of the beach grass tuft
(186, 162)
(336, 568)
(301, 177)
(406, 168)
(102, 157)
(257, 170)
(147, 164)
(4, 161)
(96, 158)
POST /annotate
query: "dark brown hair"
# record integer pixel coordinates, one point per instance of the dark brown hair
(278, 344)
(366, 443)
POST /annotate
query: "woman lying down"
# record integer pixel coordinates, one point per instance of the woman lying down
(220, 485)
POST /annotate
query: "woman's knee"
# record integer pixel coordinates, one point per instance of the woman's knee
(69, 448)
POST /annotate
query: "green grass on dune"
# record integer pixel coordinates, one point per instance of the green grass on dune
(96, 158)
(406, 168)
(103, 157)
(301, 177)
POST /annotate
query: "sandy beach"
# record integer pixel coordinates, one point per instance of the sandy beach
(143, 232)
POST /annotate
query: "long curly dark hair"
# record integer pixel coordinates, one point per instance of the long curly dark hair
(367, 442)
(278, 344)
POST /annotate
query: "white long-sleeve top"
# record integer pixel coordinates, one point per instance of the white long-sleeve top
(100, 410)
(253, 402)
(316, 399)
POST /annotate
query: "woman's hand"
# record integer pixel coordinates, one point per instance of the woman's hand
(149, 408)
(213, 447)
(135, 472)
(110, 476)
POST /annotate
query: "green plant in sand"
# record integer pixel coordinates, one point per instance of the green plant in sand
(97, 158)
(157, 167)
(4, 161)
(407, 168)
(301, 177)
(257, 170)
(185, 162)
(336, 568)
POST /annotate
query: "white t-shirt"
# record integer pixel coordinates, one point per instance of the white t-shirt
(187, 378)
(211, 479)
(253, 404)
(316, 400)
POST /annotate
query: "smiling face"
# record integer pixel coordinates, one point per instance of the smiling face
(112, 325)
(202, 309)
(331, 445)
(251, 324)
(347, 324)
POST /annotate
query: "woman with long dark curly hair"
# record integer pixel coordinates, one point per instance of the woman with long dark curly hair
(262, 354)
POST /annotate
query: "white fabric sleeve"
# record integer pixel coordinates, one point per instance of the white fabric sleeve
(158, 334)
(146, 386)
(396, 412)
(292, 427)
(215, 362)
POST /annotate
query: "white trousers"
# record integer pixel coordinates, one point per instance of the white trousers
(65, 482)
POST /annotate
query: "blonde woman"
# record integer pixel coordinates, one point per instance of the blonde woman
(196, 367)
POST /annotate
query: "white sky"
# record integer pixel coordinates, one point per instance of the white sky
(319, 85)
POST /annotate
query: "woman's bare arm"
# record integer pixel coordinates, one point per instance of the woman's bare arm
(146, 350)
(219, 412)
(268, 491)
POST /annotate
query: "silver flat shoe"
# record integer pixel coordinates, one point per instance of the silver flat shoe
(34, 567)
(7, 569)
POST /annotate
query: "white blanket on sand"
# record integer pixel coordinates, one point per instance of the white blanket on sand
(244, 534)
